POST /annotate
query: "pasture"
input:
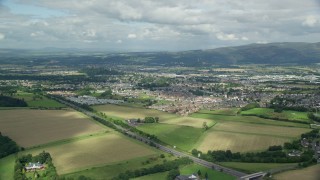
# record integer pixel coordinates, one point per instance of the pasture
(256, 167)
(183, 137)
(189, 121)
(247, 119)
(158, 176)
(309, 173)
(95, 151)
(34, 127)
(7, 167)
(129, 112)
(223, 111)
(39, 101)
(285, 114)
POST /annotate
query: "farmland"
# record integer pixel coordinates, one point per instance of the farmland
(309, 173)
(183, 137)
(38, 100)
(129, 112)
(286, 115)
(6, 167)
(34, 127)
(95, 151)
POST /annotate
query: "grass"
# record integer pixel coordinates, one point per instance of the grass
(34, 127)
(247, 119)
(269, 113)
(157, 176)
(255, 167)
(7, 167)
(193, 168)
(129, 112)
(38, 102)
(309, 173)
(111, 170)
(224, 111)
(183, 137)
(94, 152)
(190, 121)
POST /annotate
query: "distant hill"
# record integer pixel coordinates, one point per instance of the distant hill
(272, 53)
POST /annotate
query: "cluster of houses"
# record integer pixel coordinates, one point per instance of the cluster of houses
(90, 100)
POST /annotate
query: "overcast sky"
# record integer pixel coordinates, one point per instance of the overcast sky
(144, 25)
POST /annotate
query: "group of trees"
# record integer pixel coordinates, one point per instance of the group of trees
(6, 101)
(281, 103)
(43, 158)
(171, 166)
(314, 117)
(7, 146)
(151, 120)
(249, 106)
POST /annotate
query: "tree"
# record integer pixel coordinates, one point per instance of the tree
(199, 172)
(204, 125)
(206, 176)
(173, 174)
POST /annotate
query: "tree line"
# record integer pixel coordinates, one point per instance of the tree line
(7, 146)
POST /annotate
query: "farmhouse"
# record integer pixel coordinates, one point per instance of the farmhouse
(34, 166)
(294, 153)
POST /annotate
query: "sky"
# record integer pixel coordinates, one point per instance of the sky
(155, 25)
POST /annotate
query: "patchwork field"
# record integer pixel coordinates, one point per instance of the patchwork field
(269, 113)
(309, 173)
(34, 127)
(183, 137)
(94, 151)
(126, 112)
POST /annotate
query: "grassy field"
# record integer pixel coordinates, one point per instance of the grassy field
(247, 119)
(269, 113)
(183, 137)
(34, 127)
(193, 168)
(255, 167)
(156, 176)
(128, 112)
(38, 102)
(225, 111)
(189, 121)
(309, 173)
(237, 142)
(94, 152)
(6, 167)
(111, 170)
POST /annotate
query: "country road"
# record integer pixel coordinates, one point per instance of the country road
(172, 151)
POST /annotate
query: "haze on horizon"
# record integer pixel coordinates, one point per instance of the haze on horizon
(137, 25)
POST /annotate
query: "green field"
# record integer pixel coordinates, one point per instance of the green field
(247, 119)
(255, 167)
(224, 111)
(38, 102)
(183, 137)
(157, 176)
(193, 168)
(129, 112)
(113, 169)
(95, 151)
(6, 167)
(286, 115)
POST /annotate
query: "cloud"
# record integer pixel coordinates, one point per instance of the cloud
(119, 41)
(310, 21)
(132, 36)
(2, 36)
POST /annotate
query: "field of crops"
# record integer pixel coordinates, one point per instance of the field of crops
(34, 127)
(309, 173)
(94, 151)
(269, 113)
